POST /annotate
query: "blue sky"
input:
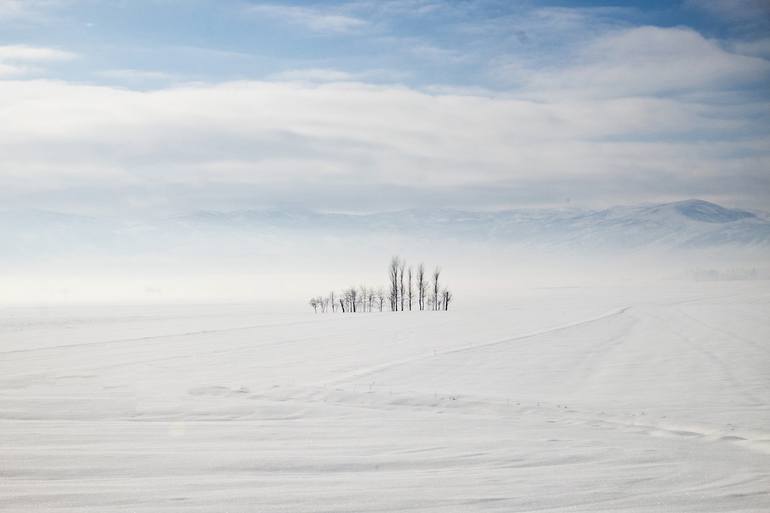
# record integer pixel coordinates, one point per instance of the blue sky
(175, 105)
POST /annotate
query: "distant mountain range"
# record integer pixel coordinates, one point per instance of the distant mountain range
(691, 223)
(679, 225)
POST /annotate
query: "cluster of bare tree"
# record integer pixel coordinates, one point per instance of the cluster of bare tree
(361, 299)
(408, 289)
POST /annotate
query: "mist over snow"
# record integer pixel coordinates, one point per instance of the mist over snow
(279, 254)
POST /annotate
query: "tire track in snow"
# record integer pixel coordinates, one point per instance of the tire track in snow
(711, 356)
(470, 347)
(192, 355)
(725, 332)
(747, 440)
(156, 337)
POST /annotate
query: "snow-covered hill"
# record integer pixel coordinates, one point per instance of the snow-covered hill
(691, 223)
(680, 225)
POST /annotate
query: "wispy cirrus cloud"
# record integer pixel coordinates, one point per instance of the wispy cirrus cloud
(733, 9)
(334, 75)
(10, 9)
(315, 19)
(755, 48)
(314, 75)
(382, 9)
(744, 19)
(641, 61)
(27, 53)
(28, 10)
(136, 75)
(19, 60)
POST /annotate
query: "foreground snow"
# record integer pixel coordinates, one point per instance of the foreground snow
(558, 400)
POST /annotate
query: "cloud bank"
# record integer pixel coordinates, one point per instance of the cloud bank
(631, 114)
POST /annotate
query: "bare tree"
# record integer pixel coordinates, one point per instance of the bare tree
(410, 289)
(380, 297)
(447, 295)
(393, 278)
(436, 274)
(401, 283)
(314, 303)
(342, 304)
(353, 295)
(362, 295)
(332, 301)
(421, 286)
(323, 302)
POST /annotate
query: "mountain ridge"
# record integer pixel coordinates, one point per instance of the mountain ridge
(674, 225)
(687, 223)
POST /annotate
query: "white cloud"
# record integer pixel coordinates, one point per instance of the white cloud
(342, 138)
(318, 20)
(623, 117)
(26, 9)
(11, 70)
(11, 8)
(733, 9)
(432, 52)
(24, 53)
(335, 75)
(20, 60)
(643, 61)
(135, 75)
(755, 48)
(314, 75)
(398, 7)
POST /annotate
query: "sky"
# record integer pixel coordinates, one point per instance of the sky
(130, 107)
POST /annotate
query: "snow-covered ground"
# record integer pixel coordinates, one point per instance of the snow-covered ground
(574, 399)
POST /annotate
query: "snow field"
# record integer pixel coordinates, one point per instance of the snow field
(589, 399)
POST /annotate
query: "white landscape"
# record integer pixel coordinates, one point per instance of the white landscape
(629, 398)
(220, 221)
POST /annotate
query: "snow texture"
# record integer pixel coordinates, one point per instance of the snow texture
(589, 399)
